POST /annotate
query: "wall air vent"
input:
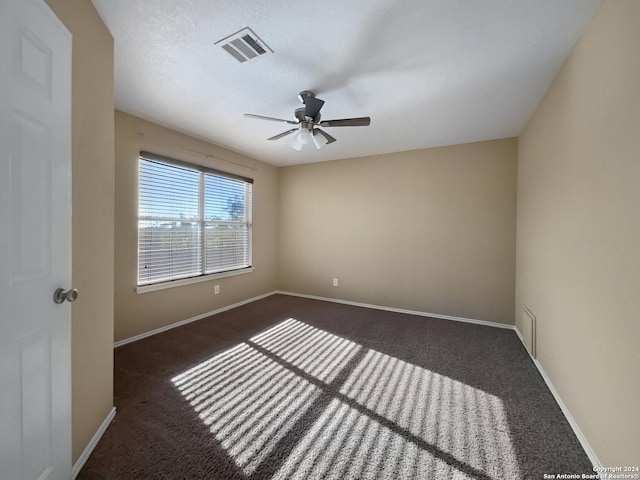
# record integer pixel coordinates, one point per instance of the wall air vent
(529, 330)
(244, 45)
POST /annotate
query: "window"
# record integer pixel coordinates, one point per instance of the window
(192, 221)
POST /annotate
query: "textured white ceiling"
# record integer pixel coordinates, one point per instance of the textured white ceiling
(428, 72)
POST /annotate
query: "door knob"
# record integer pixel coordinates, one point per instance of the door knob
(60, 295)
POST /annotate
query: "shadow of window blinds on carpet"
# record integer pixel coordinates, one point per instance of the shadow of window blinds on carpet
(310, 404)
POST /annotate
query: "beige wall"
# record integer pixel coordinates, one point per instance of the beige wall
(92, 190)
(139, 313)
(428, 230)
(578, 244)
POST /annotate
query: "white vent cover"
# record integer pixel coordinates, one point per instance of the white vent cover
(529, 330)
(244, 45)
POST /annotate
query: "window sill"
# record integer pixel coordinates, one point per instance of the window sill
(189, 281)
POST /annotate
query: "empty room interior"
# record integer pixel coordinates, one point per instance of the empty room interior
(446, 286)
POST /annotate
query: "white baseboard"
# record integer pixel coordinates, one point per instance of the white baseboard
(398, 310)
(84, 456)
(565, 410)
(188, 320)
(515, 329)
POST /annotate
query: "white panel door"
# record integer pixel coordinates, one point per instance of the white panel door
(35, 242)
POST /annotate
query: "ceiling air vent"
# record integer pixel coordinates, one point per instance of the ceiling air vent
(244, 45)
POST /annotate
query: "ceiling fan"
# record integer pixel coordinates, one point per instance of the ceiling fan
(308, 123)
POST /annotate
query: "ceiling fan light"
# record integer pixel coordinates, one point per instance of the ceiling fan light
(303, 136)
(296, 142)
(318, 140)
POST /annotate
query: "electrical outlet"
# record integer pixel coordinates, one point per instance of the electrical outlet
(335, 282)
(216, 289)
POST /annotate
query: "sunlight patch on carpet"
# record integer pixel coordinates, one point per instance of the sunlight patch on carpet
(317, 405)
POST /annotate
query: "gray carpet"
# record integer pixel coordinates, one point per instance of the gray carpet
(291, 388)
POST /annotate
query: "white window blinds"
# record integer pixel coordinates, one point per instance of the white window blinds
(192, 221)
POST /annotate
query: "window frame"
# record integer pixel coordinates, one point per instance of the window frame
(202, 222)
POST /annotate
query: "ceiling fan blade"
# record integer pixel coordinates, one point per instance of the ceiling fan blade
(346, 122)
(283, 134)
(312, 107)
(329, 138)
(262, 117)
